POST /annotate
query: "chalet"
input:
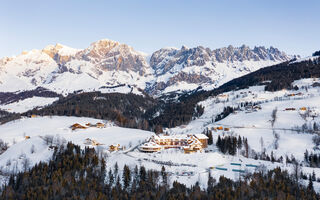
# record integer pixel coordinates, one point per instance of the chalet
(92, 142)
(223, 95)
(114, 147)
(89, 124)
(100, 125)
(33, 116)
(189, 143)
(220, 128)
(289, 109)
(77, 126)
(193, 146)
(203, 139)
(303, 108)
(95, 143)
(27, 137)
(226, 129)
(150, 147)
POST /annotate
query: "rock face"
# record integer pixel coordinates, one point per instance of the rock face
(60, 53)
(201, 66)
(106, 63)
(108, 55)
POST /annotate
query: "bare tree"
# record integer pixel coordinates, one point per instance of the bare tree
(25, 163)
(276, 139)
(8, 163)
(33, 149)
(296, 171)
(274, 116)
(48, 139)
(3, 146)
(262, 145)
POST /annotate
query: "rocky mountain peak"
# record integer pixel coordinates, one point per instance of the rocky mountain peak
(108, 55)
(60, 53)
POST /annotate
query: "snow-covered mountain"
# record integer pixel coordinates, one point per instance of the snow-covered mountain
(64, 70)
(188, 68)
(107, 64)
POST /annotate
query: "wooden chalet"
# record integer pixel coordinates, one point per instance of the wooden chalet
(77, 126)
(114, 147)
(203, 139)
(100, 125)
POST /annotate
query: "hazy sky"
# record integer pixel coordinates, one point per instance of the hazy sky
(292, 26)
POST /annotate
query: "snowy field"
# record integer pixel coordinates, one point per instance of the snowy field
(36, 149)
(28, 104)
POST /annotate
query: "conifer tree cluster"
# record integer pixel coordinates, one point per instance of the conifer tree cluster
(312, 159)
(230, 144)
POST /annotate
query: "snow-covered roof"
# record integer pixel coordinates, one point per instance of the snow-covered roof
(150, 145)
(201, 136)
(178, 136)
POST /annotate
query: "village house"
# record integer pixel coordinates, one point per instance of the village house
(289, 109)
(100, 125)
(114, 147)
(77, 126)
(189, 143)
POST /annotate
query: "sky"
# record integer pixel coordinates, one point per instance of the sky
(148, 25)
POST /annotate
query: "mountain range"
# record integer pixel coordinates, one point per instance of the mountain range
(109, 66)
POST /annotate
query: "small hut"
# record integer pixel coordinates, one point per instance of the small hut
(100, 125)
(220, 128)
(114, 147)
(77, 126)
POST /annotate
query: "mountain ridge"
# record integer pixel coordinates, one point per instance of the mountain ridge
(105, 62)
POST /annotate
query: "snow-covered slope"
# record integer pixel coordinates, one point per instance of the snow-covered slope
(28, 104)
(36, 149)
(256, 123)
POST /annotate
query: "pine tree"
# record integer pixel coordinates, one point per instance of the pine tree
(310, 184)
(116, 168)
(239, 145)
(218, 144)
(126, 177)
(143, 174)
(111, 178)
(246, 146)
(164, 176)
(210, 140)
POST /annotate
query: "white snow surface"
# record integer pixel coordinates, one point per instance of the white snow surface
(28, 104)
